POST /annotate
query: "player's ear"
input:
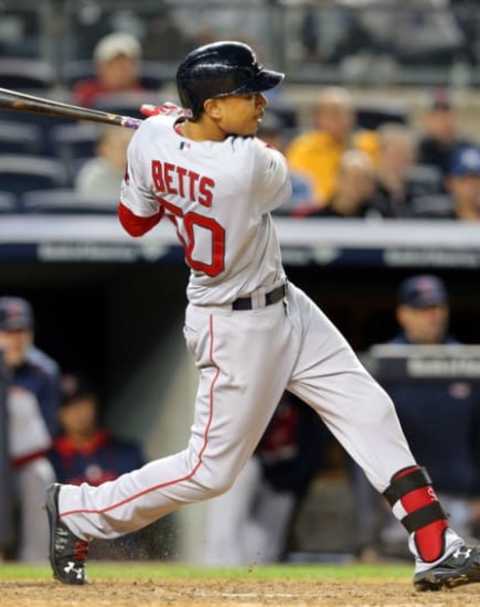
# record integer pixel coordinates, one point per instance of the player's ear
(213, 108)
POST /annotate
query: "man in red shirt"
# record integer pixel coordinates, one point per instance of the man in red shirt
(117, 61)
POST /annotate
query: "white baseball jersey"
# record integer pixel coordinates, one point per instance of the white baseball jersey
(222, 218)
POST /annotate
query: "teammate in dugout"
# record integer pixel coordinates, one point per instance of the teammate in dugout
(252, 334)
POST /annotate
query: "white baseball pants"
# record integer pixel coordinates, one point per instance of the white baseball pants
(246, 360)
(249, 522)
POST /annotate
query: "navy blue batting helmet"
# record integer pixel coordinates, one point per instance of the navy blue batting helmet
(220, 69)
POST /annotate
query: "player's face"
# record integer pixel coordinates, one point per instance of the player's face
(119, 73)
(14, 345)
(424, 325)
(241, 114)
(79, 417)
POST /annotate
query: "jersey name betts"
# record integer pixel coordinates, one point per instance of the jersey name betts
(222, 218)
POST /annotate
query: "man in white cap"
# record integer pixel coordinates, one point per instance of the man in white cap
(117, 60)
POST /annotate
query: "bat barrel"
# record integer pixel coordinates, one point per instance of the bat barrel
(22, 102)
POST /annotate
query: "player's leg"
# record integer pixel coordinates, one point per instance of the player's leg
(244, 362)
(228, 519)
(360, 414)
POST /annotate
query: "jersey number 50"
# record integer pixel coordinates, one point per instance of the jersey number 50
(190, 220)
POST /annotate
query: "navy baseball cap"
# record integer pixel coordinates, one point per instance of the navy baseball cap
(15, 314)
(423, 291)
(75, 387)
(466, 162)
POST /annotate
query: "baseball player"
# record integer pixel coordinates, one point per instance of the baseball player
(252, 333)
(32, 399)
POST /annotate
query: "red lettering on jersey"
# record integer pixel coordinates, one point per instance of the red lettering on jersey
(157, 175)
(168, 168)
(167, 175)
(181, 174)
(194, 177)
(206, 194)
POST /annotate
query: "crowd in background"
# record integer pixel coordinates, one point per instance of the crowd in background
(339, 167)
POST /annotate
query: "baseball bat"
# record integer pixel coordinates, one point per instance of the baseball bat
(21, 102)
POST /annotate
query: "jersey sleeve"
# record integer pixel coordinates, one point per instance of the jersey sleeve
(271, 181)
(136, 193)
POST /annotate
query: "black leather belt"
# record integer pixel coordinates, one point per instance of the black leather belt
(245, 303)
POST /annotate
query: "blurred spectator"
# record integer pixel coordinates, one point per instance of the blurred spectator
(117, 63)
(6, 491)
(102, 176)
(32, 400)
(432, 412)
(356, 190)
(250, 523)
(317, 153)
(423, 312)
(29, 367)
(272, 132)
(401, 184)
(84, 452)
(441, 137)
(464, 184)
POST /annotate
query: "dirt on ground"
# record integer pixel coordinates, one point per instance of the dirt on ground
(222, 593)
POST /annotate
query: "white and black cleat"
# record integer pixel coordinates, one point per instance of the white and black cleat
(67, 552)
(461, 567)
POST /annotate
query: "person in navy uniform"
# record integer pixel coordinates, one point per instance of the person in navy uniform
(423, 312)
(85, 452)
(32, 392)
(436, 412)
(29, 368)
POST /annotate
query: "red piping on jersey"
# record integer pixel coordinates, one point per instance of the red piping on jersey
(18, 462)
(134, 224)
(200, 455)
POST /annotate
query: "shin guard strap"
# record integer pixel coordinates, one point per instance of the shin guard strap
(423, 517)
(401, 486)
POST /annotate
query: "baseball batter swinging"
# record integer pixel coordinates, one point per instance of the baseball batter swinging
(252, 333)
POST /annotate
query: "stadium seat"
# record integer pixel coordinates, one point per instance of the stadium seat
(8, 203)
(373, 116)
(126, 104)
(152, 75)
(76, 140)
(74, 143)
(20, 138)
(19, 173)
(26, 74)
(75, 71)
(66, 201)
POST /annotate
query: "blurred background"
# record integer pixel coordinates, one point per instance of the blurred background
(379, 120)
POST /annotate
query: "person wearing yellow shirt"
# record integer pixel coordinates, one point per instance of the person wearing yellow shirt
(317, 153)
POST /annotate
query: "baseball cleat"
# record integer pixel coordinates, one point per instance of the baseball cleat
(67, 552)
(461, 567)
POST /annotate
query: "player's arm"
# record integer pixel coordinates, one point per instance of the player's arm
(271, 181)
(138, 209)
